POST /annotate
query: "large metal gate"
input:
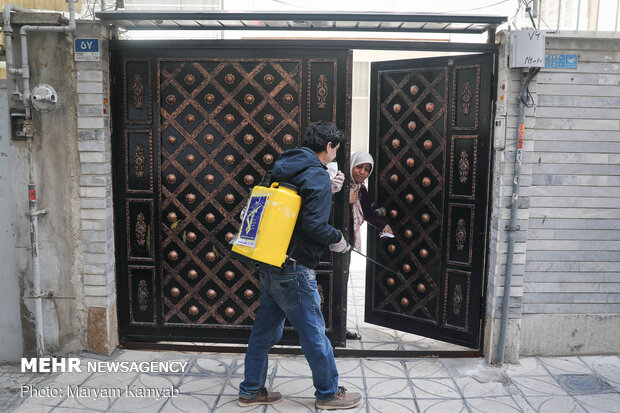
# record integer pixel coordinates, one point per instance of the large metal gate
(195, 129)
(430, 121)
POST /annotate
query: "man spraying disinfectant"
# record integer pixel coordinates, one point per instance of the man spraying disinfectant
(291, 292)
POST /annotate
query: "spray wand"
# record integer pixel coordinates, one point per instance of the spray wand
(398, 274)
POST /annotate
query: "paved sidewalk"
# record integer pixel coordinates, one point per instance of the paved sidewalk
(210, 382)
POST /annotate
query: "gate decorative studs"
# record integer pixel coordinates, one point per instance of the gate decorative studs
(395, 143)
(392, 248)
(409, 198)
(138, 92)
(190, 159)
(173, 255)
(421, 288)
(229, 236)
(138, 161)
(229, 198)
(190, 119)
(457, 299)
(209, 98)
(288, 99)
(228, 118)
(248, 138)
(268, 78)
(209, 138)
(425, 218)
(248, 294)
(193, 310)
(191, 236)
(414, 89)
(248, 179)
(172, 140)
(171, 178)
(210, 218)
(209, 178)
(321, 92)
(390, 281)
(408, 233)
(170, 99)
(460, 235)
(423, 253)
(211, 294)
(140, 230)
(288, 139)
(210, 256)
(172, 217)
(143, 295)
(229, 311)
(174, 291)
(411, 125)
(430, 106)
(269, 118)
(394, 178)
(229, 275)
(463, 167)
(249, 99)
(229, 159)
(410, 162)
(191, 198)
(396, 108)
(229, 78)
(466, 99)
(428, 144)
(406, 267)
(189, 79)
(404, 302)
(426, 181)
(192, 274)
(268, 159)
(393, 213)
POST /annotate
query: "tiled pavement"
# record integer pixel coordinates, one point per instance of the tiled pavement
(210, 384)
(210, 381)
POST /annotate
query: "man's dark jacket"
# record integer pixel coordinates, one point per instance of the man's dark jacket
(302, 168)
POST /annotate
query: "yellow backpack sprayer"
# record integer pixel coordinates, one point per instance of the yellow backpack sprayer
(267, 224)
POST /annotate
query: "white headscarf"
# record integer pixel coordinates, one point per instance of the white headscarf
(358, 158)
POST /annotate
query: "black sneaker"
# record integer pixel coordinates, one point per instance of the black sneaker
(341, 400)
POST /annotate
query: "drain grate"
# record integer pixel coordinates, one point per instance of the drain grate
(582, 384)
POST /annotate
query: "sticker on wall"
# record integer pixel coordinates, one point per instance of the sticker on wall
(561, 61)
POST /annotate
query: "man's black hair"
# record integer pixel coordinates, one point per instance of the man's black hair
(318, 135)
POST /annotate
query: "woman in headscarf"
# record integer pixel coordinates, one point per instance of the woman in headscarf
(361, 207)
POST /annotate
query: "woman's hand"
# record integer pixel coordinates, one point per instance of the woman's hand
(353, 197)
(388, 229)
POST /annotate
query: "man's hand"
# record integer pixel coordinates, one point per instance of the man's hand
(337, 182)
(388, 229)
(341, 246)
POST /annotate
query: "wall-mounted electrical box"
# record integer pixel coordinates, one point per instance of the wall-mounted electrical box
(21, 128)
(527, 48)
(499, 132)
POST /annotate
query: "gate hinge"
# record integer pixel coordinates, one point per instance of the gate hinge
(482, 306)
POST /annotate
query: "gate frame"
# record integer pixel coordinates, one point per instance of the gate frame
(406, 46)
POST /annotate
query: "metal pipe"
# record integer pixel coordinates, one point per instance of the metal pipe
(512, 226)
(23, 32)
(8, 35)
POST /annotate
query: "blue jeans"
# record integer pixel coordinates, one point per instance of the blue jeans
(291, 293)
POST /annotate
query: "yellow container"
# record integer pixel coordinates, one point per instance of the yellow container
(267, 225)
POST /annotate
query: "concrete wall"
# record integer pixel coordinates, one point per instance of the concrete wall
(72, 171)
(571, 285)
(11, 343)
(56, 175)
(565, 295)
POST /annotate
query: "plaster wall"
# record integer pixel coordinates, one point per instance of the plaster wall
(56, 176)
(11, 343)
